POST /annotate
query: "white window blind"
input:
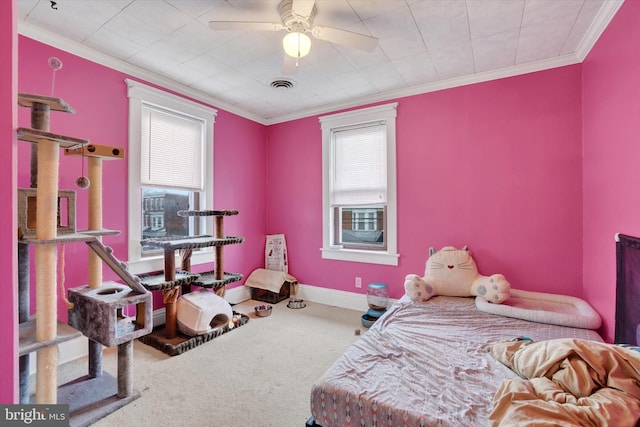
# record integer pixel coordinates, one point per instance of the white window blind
(171, 152)
(360, 166)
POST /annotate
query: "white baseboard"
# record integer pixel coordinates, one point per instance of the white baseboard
(79, 347)
(238, 294)
(342, 299)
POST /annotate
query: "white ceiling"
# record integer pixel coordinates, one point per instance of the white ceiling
(424, 45)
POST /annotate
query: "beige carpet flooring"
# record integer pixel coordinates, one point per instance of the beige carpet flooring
(259, 374)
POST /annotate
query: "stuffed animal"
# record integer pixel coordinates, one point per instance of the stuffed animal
(453, 272)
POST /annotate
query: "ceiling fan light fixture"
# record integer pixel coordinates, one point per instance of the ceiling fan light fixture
(296, 44)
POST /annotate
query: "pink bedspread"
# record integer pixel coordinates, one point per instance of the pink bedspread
(424, 364)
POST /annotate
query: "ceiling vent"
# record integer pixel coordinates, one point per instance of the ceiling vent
(282, 84)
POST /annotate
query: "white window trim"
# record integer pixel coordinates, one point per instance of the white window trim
(387, 112)
(139, 93)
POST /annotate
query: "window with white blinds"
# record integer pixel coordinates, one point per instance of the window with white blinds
(170, 156)
(359, 185)
(360, 166)
(171, 149)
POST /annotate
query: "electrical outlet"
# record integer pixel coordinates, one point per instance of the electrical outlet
(358, 282)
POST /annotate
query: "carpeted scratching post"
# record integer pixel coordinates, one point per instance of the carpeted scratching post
(170, 296)
(24, 280)
(39, 120)
(46, 262)
(125, 369)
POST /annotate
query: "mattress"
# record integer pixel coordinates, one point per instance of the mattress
(424, 364)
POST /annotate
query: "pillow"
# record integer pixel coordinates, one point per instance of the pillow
(453, 272)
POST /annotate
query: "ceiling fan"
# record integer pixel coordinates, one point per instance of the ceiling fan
(297, 19)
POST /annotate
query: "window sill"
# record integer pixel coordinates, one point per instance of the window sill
(156, 263)
(353, 255)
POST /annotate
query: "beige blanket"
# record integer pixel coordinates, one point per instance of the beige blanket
(567, 382)
(269, 280)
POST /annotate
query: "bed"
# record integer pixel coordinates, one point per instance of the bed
(425, 364)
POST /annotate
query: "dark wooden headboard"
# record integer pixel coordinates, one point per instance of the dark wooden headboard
(627, 329)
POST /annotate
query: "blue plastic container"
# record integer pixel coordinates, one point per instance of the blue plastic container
(378, 296)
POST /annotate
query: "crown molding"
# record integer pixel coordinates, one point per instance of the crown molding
(502, 73)
(603, 18)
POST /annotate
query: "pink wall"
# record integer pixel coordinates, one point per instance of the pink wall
(240, 168)
(495, 166)
(611, 94)
(99, 96)
(8, 224)
(498, 166)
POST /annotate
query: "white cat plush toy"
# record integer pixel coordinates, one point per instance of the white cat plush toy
(453, 272)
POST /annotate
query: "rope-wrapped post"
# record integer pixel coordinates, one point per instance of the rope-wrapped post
(95, 263)
(95, 217)
(46, 263)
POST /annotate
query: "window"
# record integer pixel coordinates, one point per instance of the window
(359, 185)
(170, 169)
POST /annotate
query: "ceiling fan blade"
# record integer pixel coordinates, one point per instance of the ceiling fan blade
(244, 26)
(302, 7)
(345, 38)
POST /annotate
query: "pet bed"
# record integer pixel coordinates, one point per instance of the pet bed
(541, 307)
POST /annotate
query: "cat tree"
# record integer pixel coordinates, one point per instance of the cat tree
(41, 222)
(172, 281)
(95, 310)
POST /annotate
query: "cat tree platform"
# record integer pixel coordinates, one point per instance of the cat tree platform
(182, 343)
(91, 399)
